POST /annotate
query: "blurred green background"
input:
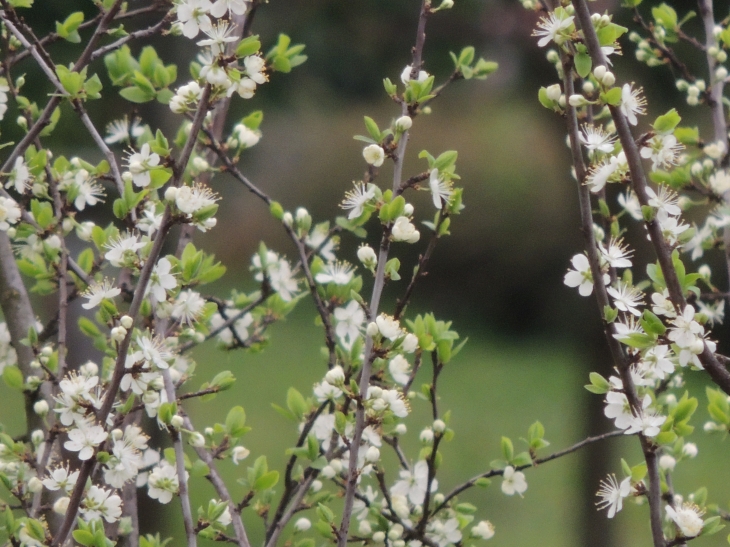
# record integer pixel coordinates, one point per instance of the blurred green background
(532, 341)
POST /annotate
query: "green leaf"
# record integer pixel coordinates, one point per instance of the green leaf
(13, 377)
(136, 95)
(545, 101)
(666, 123)
(372, 128)
(248, 46)
(612, 96)
(583, 64)
(296, 403)
(508, 450)
(266, 481)
(236, 421)
(84, 537)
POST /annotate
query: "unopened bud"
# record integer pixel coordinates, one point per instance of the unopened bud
(35, 485)
(171, 194)
(554, 92)
(196, 440)
(372, 454)
(404, 123)
(61, 505)
(177, 421)
(41, 407)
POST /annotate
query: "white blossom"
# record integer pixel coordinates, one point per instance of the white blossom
(19, 177)
(400, 369)
(101, 503)
(141, 163)
(553, 27)
(441, 189)
(193, 14)
(188, 307)
(84, 439)
(339, 273)
(687, 517)
(403, 230)
(612, 494)
(163, 482)
(374, 155)
(96, 292)
(513, 481)
(632, 103)
(9, 213)
(357, 198)
(413, 484)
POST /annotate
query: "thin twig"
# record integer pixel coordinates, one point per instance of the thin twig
(180, 467)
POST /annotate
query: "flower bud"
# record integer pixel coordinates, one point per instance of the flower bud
(588, 87)
(89, 369)
(327, 472)
(35, 363)
(375, 392)
(239, 453)
(689, 450)
(335, 376)
(126, 321)
(61, 505)
(599, 72)
(118, 333)
(721, 73)
(577, 100)
(705, 271)
(404, 123)
(697, 346)
(37, 437)
(287, 219)
(552, 56)
(400, 429)
(302, 525)
(408, 209)
(171, 194)
(200, 164)
(336, 465)
(367, 256)
(554, 92)
(379, 537)
(67, 225)
(446, 4)
(667, 463)
(372, 329)
(364, 528)
(177, 421)
(608, 79)
(196, 440)
(372, 455)
(395, 532)
(439, 426)
(41, 407)
(426, 436)
(315, 487)
(692, 100)
(721, 56)
(35, 485)
(438, 499)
